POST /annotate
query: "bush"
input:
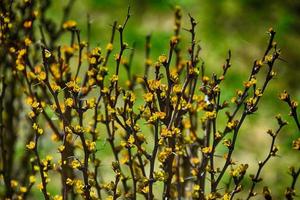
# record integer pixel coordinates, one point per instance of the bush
(166, 128)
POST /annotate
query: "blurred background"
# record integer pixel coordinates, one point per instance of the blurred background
(238, 25)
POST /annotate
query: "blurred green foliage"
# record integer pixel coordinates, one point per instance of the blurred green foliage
(222, 25)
